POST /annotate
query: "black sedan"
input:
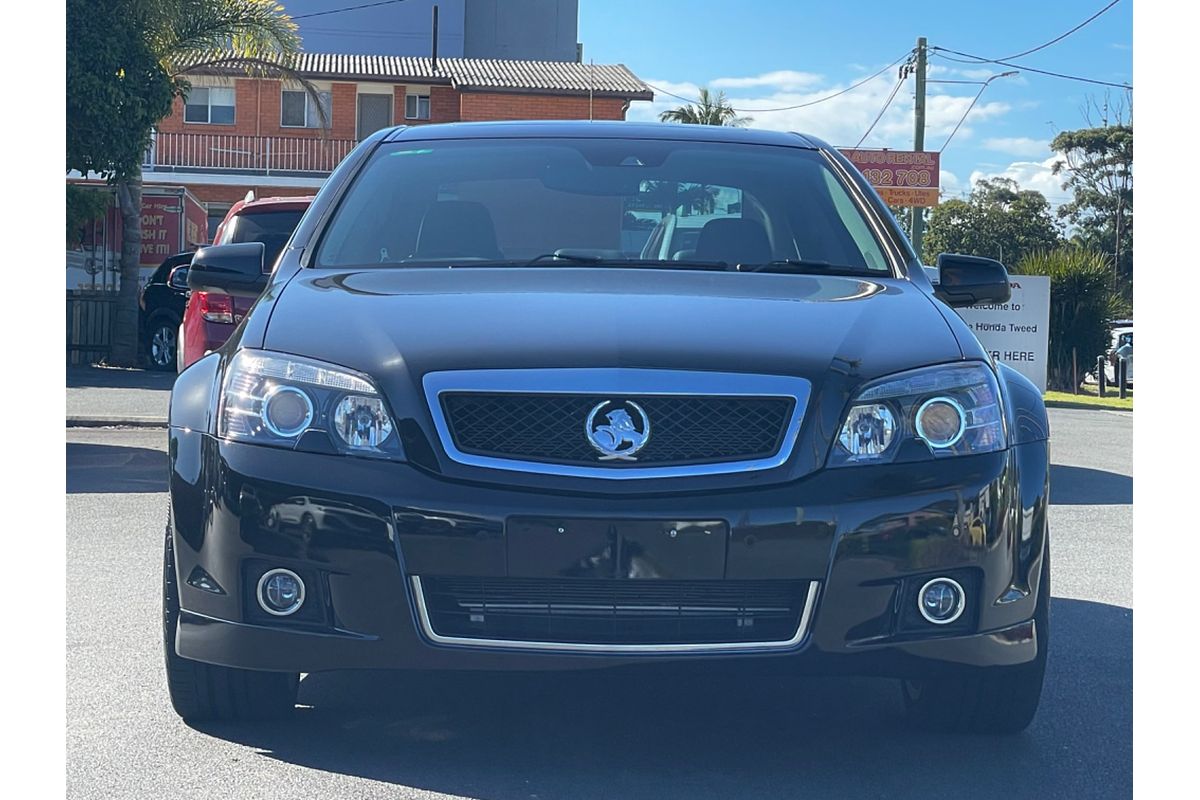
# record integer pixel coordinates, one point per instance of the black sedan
(477, 422)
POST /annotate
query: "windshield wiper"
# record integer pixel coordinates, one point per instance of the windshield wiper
(563, 257)
(809, 267)
(559, 255)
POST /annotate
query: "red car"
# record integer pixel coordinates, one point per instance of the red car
(210, 318)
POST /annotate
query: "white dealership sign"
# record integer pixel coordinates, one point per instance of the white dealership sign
(1018, 332)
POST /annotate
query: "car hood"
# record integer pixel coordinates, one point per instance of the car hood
(393, 322)
(397, 325)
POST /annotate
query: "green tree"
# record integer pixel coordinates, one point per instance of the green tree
(1097, 167)
(84, 206)
(1083, 305)
(710, 110)
(126, 63)
(999, 220)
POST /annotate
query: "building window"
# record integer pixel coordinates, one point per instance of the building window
(298, 109)
(374, 113)
(416, 106)
(210, 104)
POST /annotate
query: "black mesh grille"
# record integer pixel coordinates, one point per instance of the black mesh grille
(584, 611)
(551, 427)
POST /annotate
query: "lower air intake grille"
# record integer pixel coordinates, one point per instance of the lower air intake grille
(614, 612)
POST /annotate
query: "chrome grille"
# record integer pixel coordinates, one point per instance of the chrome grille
(550, 428)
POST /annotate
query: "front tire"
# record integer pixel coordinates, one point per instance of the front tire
(161, 342)
(200, 691)
(997, 700)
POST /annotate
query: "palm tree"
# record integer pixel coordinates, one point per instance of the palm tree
(708, 111)
(253, 36)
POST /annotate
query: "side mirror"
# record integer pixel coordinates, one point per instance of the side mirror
(234, 269)
(970, 280)
(178, 278)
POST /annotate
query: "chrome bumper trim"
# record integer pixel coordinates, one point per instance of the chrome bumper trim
(806, 614)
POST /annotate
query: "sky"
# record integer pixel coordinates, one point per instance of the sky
(770, 53)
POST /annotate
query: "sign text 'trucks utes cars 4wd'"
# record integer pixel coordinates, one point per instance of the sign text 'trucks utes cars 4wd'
(902, 177)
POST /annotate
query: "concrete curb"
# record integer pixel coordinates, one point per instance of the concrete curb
(116, 422)
(1086, 406)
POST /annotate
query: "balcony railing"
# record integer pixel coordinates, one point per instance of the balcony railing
(265, 155)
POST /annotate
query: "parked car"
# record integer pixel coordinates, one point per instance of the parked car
(1122, 346)
(210, 317)
(783, 450)
(161, 307)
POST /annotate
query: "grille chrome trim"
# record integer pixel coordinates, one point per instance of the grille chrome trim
(617, 382)
(810, 601)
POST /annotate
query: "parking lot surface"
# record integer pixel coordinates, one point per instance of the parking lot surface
(587, 735)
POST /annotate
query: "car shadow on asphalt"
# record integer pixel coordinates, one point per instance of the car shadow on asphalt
(112, 378)
(1077, 486)
(594, 735)
(103, 468)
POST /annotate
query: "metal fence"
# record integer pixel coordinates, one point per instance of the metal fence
(90, 317)
(266, 155)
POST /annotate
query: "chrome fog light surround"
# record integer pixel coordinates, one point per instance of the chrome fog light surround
(946, 601)
(280, 592)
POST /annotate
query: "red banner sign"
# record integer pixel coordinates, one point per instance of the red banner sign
(160, 228)
(902, 177)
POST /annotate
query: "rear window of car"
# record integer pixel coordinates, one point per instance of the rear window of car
(427, 203)
(272, 228)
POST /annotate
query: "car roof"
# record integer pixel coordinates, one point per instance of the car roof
(281, 202)
(600, 129)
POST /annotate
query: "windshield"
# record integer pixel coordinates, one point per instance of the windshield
(272, 228)
(677, 203)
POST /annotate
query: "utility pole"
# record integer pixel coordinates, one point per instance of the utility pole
(918, 220)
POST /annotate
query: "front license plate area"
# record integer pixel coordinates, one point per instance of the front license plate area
(617, 549)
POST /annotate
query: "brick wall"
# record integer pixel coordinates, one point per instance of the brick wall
(504, 105)
(258, 109)
(231, 194)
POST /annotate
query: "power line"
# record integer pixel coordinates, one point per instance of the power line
(849, 88)
(941, 51)
(973, 102)
(1065, 35)
(347, 8)
(963, 118)
(883, 110)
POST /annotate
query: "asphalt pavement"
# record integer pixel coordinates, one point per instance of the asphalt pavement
(587, 735)
(98, 396)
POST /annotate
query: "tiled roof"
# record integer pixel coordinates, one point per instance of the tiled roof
(558, 77)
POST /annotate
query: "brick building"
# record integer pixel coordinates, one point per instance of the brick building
(236, 134)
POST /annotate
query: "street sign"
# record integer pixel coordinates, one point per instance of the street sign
(901, 177)
(1017, 333)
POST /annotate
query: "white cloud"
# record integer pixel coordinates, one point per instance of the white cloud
(842, 120)
(1018, 145)
(784, 79)
(1036, 175)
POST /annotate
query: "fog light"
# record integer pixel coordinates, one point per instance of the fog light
(941, 601)
(280, 592)
(287, 411)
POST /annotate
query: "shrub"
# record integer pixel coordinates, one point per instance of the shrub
(1083, 305)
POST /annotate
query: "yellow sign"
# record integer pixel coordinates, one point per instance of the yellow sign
(901, 196)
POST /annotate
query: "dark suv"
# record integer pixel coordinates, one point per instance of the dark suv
(161, 307)
(537, 442)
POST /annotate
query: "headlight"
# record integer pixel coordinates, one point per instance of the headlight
(935, 412)
(276, 399)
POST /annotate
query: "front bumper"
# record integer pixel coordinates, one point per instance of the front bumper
(362, 529)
